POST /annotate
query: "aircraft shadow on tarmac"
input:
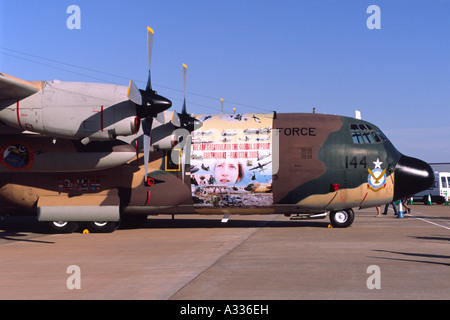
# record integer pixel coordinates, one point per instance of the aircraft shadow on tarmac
(443, 238)
(431, 217)
(14, 228)
(215, 223)
(402, 256)
(18, 229)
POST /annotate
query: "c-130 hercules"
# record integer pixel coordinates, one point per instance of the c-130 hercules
(101, 154)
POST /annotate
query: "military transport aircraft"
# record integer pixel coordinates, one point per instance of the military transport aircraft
(102, 154)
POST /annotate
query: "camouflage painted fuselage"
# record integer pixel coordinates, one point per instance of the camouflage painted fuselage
(318, 163)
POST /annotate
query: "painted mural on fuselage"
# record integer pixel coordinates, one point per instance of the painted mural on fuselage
(231, 161)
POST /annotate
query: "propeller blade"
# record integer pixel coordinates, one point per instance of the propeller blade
(150, 34)
(185, 154)
(148, 104)
(175, 119)
(183, 111)
(187, 121)
(133, 93)
(183, 161)
(146, 127)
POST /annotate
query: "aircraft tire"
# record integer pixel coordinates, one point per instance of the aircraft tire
(102, 226)
(342, 218)
(62, 226)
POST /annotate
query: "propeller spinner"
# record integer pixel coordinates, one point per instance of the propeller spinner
(148, 103)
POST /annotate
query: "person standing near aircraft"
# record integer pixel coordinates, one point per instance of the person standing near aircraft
(387, 207)
(405, 204)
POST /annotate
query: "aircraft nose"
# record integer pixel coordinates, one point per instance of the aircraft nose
(411, 176)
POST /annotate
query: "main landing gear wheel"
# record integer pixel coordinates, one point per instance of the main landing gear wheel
(102, 226)
(62, 226)
(342, 218)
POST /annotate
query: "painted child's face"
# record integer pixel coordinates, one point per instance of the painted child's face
(226, 172)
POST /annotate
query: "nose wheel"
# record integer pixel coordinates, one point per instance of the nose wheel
(342, 218)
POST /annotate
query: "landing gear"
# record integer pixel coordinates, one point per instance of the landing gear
(102, 226)
(342, 218)
(71, 226)
(62, 226)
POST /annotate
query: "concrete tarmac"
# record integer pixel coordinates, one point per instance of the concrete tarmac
(261, 257)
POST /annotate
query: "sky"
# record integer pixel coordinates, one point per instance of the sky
(257, 55)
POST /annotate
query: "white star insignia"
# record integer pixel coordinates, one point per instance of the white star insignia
(377, 164)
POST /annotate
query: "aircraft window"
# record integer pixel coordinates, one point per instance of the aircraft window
(356, 135)
(374, 134)
(376, 137)
(362, 127)
(381, 135)
(444, 182)
(365, 134)
(369, 137)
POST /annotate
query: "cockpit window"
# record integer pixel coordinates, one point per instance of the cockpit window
(364, 133)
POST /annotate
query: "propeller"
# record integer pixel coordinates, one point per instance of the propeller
(148, 103)
(185, 121)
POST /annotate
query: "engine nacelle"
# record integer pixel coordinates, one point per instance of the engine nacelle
(124, 127)
(166, 143)
(36, 153)
(72, 110)
(163, 136)
(127, 126)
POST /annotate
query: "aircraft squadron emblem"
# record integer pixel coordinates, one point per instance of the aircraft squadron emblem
(377, 177)
(16, 156)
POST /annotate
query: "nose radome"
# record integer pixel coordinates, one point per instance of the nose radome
(411, 176)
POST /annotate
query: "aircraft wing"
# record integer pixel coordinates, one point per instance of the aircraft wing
(12, 88)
